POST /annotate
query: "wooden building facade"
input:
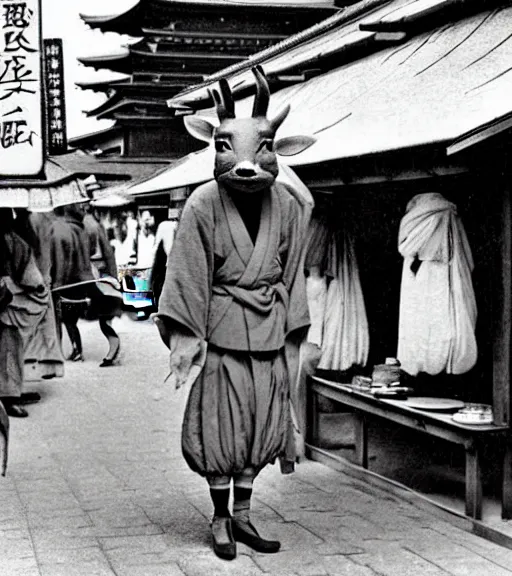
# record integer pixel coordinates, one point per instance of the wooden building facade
(405, 98)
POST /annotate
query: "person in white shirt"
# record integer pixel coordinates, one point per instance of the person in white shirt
(145, 240)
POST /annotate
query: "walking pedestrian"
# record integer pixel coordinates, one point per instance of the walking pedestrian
(232, 310)
(21, 314)
(71, 265)
(44, 348)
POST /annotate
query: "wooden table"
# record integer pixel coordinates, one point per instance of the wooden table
(436, 424)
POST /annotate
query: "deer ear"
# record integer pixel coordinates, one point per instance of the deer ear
(199, 128)
(292, 145)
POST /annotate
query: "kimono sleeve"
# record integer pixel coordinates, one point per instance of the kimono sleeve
(187, 287)
(60, 257)
(298, 217)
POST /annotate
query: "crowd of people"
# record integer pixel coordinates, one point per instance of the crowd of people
(56, 268)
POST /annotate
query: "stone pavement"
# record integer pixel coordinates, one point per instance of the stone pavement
(96, 486)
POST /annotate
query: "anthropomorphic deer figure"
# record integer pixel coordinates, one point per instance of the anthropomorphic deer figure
(232, 308)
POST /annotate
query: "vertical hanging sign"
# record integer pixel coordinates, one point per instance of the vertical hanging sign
(21, 112)
(55, 97)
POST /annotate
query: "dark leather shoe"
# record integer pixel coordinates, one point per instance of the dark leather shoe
(30, 398)
(224, 550)
(76, 356)
(246, 533)
(16, 411)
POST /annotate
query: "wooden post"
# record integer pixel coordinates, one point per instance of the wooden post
(312, 415)
(501, 309)
(506, 498)
(473, 483)
(361, 439)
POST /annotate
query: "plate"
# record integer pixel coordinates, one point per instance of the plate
(426, 403)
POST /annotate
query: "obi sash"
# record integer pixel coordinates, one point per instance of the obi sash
(250, 312)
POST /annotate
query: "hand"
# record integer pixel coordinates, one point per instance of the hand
(163, 329)
(198, 364)
(188, 354)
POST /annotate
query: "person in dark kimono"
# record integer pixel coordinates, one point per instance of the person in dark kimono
(232, 307)
(102, 254)
(71, 265)
(22, 315)
(44, 348)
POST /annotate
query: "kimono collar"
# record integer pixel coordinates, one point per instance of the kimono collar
(239, 234)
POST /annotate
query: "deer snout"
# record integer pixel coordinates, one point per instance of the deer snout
(245, 170)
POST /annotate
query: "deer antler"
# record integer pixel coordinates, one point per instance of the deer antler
(224, 104)
(227, 96)
(262, 93)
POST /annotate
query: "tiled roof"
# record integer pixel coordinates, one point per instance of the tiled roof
(436, 85)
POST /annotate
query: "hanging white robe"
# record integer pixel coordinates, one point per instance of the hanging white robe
(437, 303)
(346, 340)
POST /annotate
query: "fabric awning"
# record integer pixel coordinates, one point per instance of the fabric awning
(57, 187)
(38, 199)
(430, 90)
(115, 168)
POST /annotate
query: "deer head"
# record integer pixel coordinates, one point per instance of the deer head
(246, 148)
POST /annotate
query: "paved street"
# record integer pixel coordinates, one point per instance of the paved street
(96, 486)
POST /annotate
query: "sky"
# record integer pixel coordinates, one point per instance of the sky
(61, 20)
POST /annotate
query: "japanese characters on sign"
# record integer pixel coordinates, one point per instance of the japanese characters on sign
(21, 120)
(55, 97)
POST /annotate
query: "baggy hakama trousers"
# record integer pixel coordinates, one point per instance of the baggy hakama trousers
(238, 413)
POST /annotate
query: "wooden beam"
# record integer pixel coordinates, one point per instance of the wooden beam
(480, 134)
(381, 178)
(205, 34)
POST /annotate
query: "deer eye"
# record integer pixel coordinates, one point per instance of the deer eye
(267, 145)
(222, 146)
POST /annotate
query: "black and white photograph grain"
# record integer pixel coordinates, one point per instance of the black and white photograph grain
(255, 287)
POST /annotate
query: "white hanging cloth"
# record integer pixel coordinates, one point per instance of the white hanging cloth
(346, 340)
(437, 302)
(316, 280)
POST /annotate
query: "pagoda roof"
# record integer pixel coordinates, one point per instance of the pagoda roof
(183, 55)
(146, 13)
(165, 32)
(102, 82)
(108, 103)
(127, 20)
(197, 96)
(132, 9)
(306, 5)
(115, 59)
(92, 138)
(138, 106)
(112, 53)
(110, 14)
(144, 87)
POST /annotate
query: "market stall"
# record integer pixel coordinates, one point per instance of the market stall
(413, 133)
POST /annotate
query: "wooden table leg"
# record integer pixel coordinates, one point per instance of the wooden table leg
(506, 499)
(361, 439)
(312, 415)
(473, 483)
